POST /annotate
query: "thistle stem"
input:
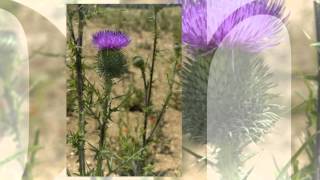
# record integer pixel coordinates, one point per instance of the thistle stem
(106, 113)
(79, 70)
(148, 91)
(99, 170)
(171, 82)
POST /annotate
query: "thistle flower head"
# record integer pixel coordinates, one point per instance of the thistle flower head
(238, 104)
(206, 24)
(106, 39)
(111, 61)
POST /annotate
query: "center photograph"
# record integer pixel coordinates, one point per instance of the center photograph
(124, 90)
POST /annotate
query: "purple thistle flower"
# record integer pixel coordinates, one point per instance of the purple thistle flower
(106, 39)
(206, 25)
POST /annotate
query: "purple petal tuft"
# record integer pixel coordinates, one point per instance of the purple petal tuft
(194, 24)
(106, 39)
(206, 24)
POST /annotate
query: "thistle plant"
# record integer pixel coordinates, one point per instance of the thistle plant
(111, 64)
(225, 82)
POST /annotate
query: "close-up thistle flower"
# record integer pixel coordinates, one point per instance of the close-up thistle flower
(202, 47)
(226, 100)
(111, 61)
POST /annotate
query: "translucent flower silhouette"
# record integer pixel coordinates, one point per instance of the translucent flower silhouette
(106, 39)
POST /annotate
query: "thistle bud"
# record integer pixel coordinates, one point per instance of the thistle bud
(138, 62)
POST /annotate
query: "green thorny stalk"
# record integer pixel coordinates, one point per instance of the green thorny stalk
(148, 90)
(148, 87)
(106, 116)
(77, 52)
